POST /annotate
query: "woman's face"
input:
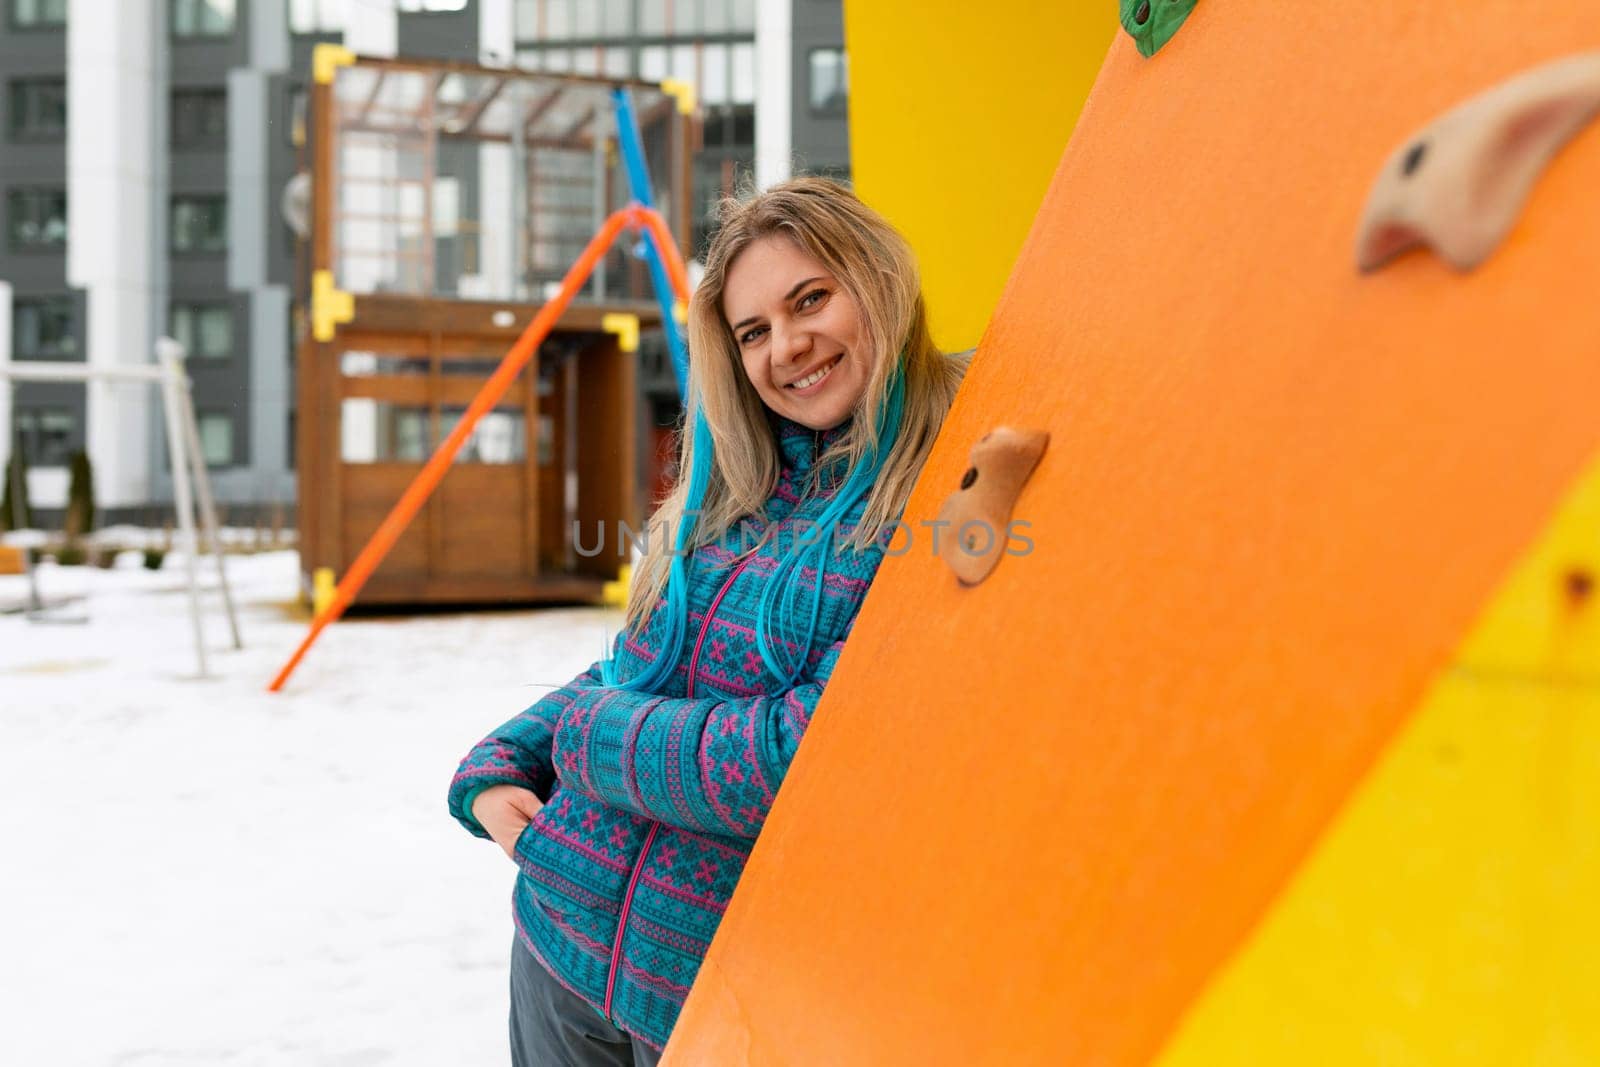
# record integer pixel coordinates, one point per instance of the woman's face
(797, 331)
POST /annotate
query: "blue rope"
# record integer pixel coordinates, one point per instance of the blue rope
(676, 609)
(781, 594)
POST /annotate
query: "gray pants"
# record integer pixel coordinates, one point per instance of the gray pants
(551, 1027)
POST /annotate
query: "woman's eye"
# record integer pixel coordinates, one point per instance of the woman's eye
(812, 298)
(749, 335)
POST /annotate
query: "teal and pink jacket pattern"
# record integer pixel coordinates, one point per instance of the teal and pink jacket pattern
(653, 802)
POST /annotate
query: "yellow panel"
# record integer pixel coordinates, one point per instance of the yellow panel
(958, 115)
(1448, 916)
(1544, 624)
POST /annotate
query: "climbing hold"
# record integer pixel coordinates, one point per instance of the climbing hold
(1152, 23)
(1458, 185)
(978, 514)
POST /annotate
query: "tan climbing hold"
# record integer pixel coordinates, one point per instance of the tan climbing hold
(1458, 185)
(979, 511)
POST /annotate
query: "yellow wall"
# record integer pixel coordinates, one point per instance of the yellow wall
(958, 115)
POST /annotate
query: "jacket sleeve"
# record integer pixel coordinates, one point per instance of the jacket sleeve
(518, 753)
(701, 763)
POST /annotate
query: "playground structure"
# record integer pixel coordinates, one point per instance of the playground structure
(1287, 749)
(448, 203)
(587, 457)
(191, 485)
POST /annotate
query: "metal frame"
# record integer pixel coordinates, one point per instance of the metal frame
(183, 448)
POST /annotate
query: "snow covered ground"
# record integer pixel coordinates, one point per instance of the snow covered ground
(198, 872)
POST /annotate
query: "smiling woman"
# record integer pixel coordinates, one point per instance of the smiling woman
(631, 797)
(794, 345)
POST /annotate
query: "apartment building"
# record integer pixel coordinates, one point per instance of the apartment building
(148, 143)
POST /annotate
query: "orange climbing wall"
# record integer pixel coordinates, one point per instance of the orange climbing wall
(1040, 821)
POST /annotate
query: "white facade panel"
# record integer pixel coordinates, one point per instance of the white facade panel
(116, 74)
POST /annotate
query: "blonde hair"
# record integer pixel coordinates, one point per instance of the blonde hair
(875, 266)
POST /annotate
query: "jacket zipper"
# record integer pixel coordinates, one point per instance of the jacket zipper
(814, 478)
(622, 919)
(638, 866)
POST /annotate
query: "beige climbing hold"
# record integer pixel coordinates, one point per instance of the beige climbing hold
(1458, 185)
(979, 512)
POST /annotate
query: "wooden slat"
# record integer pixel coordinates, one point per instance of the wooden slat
(532, 505)
(607, 474)
(553, 520)
(475, 318)
(402, 589)
(419, 391)
(481, 512)
(373, 490)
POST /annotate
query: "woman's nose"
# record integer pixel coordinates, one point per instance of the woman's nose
(789, 344)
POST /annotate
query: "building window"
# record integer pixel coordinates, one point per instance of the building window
(616, 18)
(204, 330)
(202, 18)
(744, 74)
(317, 16)
(38, 14)
(36, 219)
(38, 109)
(829, 82)
(216, 438)
(199, 223)
(47, 435)
(714, 63)
(684, 63)
(199, 118)
(616, 63)
(44, 328)
(416, 7)
(730, 131)
(653, 21)
(498, 436)
(555, 20)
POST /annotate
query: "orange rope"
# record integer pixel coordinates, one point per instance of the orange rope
(433, 472)
(676, 272)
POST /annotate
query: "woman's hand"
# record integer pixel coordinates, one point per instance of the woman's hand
(505, 811)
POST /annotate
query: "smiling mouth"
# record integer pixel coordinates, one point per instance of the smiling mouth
(815, 376)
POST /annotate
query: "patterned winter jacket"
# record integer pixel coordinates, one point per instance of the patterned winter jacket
(653, 802)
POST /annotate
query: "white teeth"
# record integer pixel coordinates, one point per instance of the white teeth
(812, 379)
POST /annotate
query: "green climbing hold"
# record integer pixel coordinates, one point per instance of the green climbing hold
(1152, 23)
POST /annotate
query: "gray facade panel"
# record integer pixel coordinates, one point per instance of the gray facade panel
(35, 273)
(439, 35)
(821, 143)
(271, 394)
(282, 160)
(268, 34)
(71, 397)
(212, 53)
(31, 51)
(28, 54)
(198, 274)
(197, 171)
(248, 220)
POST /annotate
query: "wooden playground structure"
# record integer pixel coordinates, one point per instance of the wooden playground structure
(448, 203)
